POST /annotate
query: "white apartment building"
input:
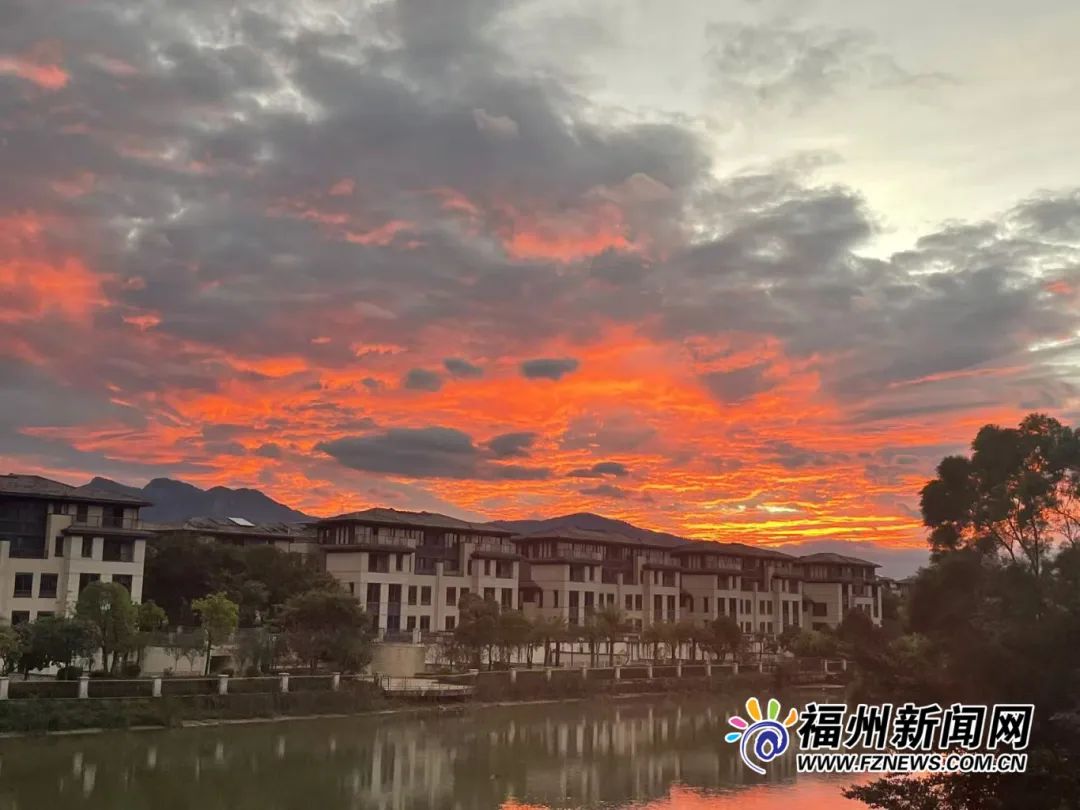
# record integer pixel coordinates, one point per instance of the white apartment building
(572, 573)
(410, 569)
(55, 539)
(834, 584)
(759, 588)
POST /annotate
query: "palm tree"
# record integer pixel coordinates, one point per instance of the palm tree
(612, 624)
(592, 634)
(654, 635)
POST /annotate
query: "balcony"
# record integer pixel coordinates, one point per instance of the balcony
(108, 522)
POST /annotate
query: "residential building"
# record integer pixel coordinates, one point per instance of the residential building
(572, 573)
(57, 539)
(298, 538)
(834, 584)
(759, 588)
(411, 569)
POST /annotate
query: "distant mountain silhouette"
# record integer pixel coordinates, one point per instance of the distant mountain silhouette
(175, 501)
(590, 522)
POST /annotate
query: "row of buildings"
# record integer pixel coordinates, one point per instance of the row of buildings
(411, 569)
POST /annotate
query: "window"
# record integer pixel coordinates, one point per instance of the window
(629, 601)
(379, 563)
(705, 604)
(508, 598)
(464, 593)
(504, 569)
(58, 546)
(88, 547)
(425, 595)
(821, 609)
(86, 579)
(412, 594)
(352, 589)
(24, 586)
(451, 597)
(425, 622)
(450, 622)
(374, 597)
(123, 579)
(555, 596)
(116, 550)
(399, 561)
(489, 594)
(45, 614)
(81, 513)
(410, 623)
(487, 568)
(577, 573)
(637, 602)
(47, 586)
(19, 617)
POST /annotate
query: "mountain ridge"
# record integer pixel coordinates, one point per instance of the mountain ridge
(175, 501)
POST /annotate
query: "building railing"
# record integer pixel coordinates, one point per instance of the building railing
(107, 522)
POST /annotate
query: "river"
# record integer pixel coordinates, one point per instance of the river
(605, 754)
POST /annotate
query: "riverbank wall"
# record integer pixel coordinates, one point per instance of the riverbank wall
(56, 706)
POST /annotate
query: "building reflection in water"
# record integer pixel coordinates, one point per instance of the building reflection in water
(617, 753)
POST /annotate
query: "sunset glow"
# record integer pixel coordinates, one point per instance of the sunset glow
(298, 256)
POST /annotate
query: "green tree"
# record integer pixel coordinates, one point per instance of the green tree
(328, 626)
(1018, 493)
(513, 632)
(219, 616)
(151, 618)
(592, 633)
(10, 647)
(654, 635)
(994, 618)
(612, 624)
(55, 641)
(551, 632)
(723, 635)
(477, 627)
(108, 606)
(260, 579)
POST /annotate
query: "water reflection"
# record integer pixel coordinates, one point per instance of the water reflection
(613, 754)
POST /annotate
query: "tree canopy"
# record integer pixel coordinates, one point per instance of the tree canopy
(328, 626)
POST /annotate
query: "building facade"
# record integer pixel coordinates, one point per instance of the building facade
(834, 584)
(55, 539)
(572, 573)
(411, 569)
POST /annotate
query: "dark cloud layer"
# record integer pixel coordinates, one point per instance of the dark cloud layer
(432, 452)
(548, 368)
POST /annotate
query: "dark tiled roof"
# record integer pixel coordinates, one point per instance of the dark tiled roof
(836, 559)
(214, 525)
(589, 536)
(418, 520)
(733, 550)
(36, 486)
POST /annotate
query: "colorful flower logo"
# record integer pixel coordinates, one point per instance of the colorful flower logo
(761, 739)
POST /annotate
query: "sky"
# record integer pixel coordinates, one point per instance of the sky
(742, 270)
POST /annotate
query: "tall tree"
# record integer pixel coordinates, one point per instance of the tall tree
(328, 626)
(219, 616)
(108, 606)
(612, 624)
(477, 627)
(1018, 494)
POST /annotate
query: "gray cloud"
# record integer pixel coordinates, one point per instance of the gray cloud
(422, 379)
(599, 470)
(549, 368)
(512, 445)
(735, 386)
(462, 369)
(431, 452)
(606, 491)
